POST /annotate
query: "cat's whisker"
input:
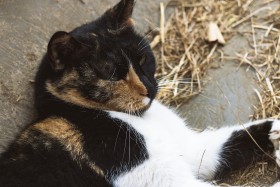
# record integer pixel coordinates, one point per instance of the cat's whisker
(162, 81)
(112, 74)
(129, 138)
(172, 80)
(143, 39)
(171, 88)
(146, 35)
(129, 111)
(137, 113)
(136, 134)
(117, 138)
(145, 46)
(129, 130)
(124, 149)
(126, 57)
(175, 83)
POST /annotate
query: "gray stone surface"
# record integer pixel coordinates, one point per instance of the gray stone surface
(25, 28)
(229, 97)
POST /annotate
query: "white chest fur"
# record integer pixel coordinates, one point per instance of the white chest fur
(159, 126)
(175, 152)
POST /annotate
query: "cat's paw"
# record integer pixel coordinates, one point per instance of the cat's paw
(274, 136)
(276, 184)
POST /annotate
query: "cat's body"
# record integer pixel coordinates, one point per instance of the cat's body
(99, 126)
(179, 156)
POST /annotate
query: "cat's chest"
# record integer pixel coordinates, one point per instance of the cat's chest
(164, 132)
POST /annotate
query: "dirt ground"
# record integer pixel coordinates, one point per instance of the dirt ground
(227, 98)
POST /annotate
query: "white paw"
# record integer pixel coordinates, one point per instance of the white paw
(276, 184)
(274, 136)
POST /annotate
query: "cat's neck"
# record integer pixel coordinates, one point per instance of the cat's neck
(56, 107)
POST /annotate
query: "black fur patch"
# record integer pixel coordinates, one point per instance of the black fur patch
(32, 163)
(110, 144)
(92, 52)
(240, 150)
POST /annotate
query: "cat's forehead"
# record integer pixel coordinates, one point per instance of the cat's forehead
(124, 44)
(123, 37)
(103, 33)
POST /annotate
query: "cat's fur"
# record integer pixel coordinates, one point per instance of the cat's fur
(99, 124)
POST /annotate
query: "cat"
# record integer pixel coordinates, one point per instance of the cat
(99, 123)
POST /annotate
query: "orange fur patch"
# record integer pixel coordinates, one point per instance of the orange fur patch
(126, 95)
(134, 81)
(63, 131)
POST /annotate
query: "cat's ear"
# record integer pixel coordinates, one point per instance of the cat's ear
(62, 49)
(122, 12)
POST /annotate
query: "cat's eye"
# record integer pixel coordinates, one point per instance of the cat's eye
(142, 61)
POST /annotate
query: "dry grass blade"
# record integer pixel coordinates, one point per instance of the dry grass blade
(185, 35)
(267, 66)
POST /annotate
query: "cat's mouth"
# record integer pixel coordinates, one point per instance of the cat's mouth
(138, 107)
(147, 101)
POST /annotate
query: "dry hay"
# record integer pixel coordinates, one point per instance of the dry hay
(184, 54)
(260, 174)
(265, 59)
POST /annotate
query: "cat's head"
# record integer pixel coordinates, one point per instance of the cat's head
(104, 64)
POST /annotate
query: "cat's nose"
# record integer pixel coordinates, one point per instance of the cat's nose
(144, 94)
(152, 93)
(150, 87)
(146, 101)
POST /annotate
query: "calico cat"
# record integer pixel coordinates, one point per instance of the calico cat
(100, 125)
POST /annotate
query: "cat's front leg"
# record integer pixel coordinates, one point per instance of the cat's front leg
(275, 138)
(246, 144)
(235, 147)
(276, 184)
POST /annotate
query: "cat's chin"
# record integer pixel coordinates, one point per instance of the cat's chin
(140, 111)
(147, 101)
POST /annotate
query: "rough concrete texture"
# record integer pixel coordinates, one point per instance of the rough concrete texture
(229, 97)
(227, 100)
(25, 28)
